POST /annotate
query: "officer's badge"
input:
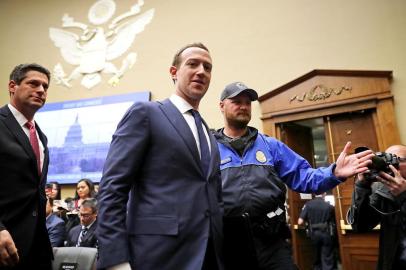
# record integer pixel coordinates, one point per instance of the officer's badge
(260, 156)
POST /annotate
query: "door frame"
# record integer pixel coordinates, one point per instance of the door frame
(304, 147)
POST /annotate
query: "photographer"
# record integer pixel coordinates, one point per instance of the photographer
(382, 199)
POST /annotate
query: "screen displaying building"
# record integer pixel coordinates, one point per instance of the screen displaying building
(79, 134)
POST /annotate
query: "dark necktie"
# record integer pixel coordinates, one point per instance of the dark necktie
(34, 144)
(82, 236)
(204, 147)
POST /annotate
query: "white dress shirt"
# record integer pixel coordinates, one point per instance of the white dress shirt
(184, 108)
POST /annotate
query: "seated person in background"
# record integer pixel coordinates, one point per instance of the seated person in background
(55, 225)
(53, 190)
(382, 199)
(84, 190)
(83, 235)
(65, 211)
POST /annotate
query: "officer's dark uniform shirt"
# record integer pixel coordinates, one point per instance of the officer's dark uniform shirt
(320, 216)
(317, 211)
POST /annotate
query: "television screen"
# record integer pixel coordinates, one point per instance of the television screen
(79, 134)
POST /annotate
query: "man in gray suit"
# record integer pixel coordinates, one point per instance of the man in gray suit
(24, 241)
(160, 194)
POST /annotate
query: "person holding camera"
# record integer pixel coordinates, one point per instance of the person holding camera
(255, 169)
(381, 198)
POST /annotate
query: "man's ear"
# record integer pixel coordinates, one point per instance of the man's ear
(12, 86)
(173, 70)
(221, 106)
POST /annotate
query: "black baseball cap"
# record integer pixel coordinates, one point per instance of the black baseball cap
(236, 88)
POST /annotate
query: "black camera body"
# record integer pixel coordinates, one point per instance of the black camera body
(380, 163)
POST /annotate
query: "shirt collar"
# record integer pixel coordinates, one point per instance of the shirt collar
(180, 103)
(18, 116)
(88, 226)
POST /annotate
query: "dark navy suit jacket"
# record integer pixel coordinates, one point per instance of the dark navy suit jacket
(173, 207)
(22, 189)
(56, 230)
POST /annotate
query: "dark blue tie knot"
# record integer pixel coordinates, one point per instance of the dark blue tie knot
(196, 115)
(204, 146)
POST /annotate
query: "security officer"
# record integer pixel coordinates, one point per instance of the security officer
(319, 216)
(255, 169)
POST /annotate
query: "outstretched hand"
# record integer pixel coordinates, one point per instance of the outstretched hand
(349, 164)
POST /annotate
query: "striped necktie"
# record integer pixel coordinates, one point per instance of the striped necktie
(82, 235)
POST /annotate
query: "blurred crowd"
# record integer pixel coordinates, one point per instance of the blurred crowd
(72, 222)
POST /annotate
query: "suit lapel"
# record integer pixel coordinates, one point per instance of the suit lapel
(178, 122)
(76, 235)
(90, 232)
(17, 131)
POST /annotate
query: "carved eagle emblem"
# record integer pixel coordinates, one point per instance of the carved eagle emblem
(92, 48)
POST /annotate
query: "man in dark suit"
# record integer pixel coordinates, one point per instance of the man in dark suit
(166, 163)
(55, 225)
(84, 234)
(24, 241)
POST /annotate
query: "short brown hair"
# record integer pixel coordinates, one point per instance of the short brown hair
(177, 59)
(19, 72)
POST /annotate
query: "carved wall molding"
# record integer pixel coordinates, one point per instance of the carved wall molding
(320, 92)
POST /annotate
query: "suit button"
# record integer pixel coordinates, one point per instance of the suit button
(207, 213)
(34, 213)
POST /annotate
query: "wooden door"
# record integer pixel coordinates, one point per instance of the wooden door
(300, 139)
(358, 251)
